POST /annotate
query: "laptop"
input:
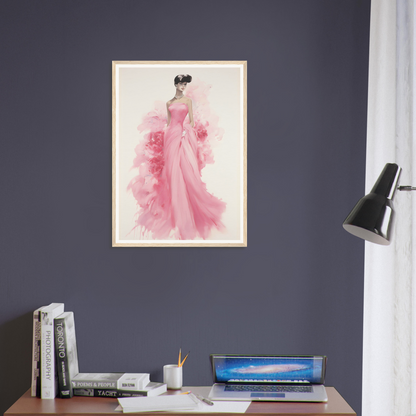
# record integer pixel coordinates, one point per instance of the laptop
(294, 378)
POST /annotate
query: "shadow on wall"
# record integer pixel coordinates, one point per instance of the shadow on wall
(15, 359)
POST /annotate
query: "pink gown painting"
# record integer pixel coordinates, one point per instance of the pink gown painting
(172, 200)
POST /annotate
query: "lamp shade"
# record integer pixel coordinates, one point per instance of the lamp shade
(372, 216)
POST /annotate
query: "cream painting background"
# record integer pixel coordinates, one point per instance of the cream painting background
(139, 87)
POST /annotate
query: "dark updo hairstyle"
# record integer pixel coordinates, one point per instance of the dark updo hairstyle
(182, 78)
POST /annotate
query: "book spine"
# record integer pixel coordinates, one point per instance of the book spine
(35, 386)
(107, 393)
(48, 371)
(62, 362)
(93, 384)
(48, 357)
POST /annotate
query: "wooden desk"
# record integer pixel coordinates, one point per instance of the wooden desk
(91, 406)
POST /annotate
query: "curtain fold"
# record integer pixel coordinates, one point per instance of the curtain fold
(389, 339)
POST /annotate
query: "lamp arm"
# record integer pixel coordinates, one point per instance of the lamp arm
(407, 188)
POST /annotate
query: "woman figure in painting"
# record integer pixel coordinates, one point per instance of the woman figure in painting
(176, 203)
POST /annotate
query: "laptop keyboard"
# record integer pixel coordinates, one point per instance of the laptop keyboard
(269, 388)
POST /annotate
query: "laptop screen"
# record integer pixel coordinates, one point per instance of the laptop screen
(268, 369)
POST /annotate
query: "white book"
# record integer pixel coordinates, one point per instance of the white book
(47, 346)
(155, 389)
(122, 381)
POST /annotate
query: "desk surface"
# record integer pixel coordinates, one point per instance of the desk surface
(90, 406)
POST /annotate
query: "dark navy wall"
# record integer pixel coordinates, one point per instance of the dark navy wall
(298, 286)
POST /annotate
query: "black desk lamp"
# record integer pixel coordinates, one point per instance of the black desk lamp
(372, 216)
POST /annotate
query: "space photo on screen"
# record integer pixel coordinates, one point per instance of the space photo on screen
(269, 369)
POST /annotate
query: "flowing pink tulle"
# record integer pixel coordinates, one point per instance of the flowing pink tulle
(172, 200)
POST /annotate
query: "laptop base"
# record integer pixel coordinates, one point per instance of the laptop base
(317, 394)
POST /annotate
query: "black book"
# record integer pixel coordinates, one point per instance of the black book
(152, 389)
(65, 353)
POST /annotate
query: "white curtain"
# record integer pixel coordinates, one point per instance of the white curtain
(389, 349)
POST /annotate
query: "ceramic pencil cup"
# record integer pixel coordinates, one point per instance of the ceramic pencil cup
(172, 376)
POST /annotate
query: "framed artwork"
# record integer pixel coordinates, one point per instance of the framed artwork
(179, 153)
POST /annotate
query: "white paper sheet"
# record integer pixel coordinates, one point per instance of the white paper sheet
(219, 407)
(167, 403)
(223, 407)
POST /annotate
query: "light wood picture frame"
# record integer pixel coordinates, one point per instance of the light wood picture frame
(179, 164)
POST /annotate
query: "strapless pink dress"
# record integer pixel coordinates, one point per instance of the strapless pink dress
(179, 204)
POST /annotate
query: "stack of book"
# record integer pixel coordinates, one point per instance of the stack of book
(55, 370)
